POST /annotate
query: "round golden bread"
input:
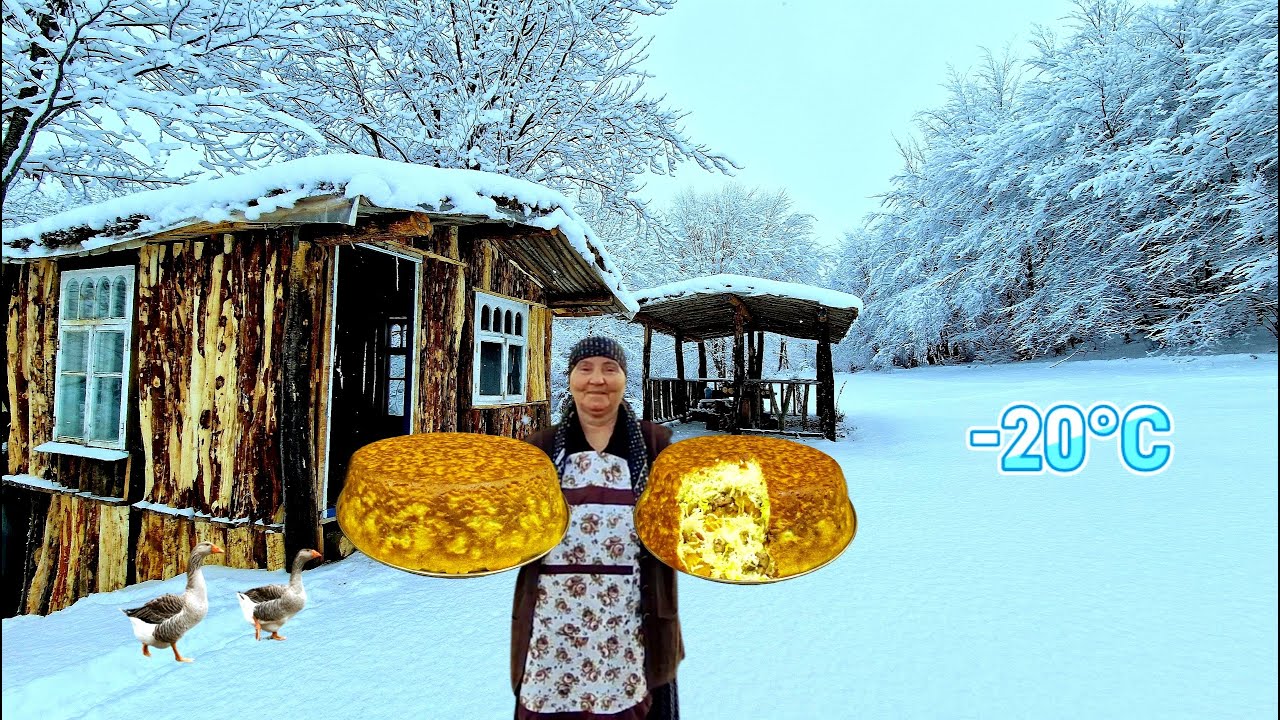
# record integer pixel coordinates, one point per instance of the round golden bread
(452, 503)
(745, 508)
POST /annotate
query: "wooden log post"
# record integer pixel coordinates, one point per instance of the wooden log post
(648, 395)
(682, 392)
(760, 354)
(297, 445)
(702, 364)
(758, 373)
(739, 371)
(826, 379)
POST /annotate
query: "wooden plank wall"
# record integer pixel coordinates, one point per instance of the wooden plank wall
(539, 354)
(108, 478)
(440, 352)
(165, 542)
(31, 339)
(208, 371)
(82, 549)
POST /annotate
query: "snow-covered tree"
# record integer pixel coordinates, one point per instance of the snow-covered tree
(545, 90)
(740, 230)
(1121, 184)
(100, 92)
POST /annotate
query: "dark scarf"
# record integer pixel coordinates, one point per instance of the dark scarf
(637, 453)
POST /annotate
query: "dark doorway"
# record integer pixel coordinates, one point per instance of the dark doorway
(373, 359)
(15, 521)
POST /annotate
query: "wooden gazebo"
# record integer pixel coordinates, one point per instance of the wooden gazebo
(745, 308)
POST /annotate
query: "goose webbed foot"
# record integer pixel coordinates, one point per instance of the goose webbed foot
(178, 656)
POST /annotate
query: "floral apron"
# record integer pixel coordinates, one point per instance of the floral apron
(586, 653)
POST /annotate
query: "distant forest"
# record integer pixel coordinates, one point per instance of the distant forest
(1119, 186)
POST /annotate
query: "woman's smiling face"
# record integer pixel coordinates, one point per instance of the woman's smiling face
(597, 385)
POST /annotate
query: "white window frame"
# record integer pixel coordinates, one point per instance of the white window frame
(123, 325)
(521, 340)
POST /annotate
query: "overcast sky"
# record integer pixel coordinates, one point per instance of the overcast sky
(807, 95)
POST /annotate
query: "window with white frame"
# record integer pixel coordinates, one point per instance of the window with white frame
(501, 339)
(94, 333)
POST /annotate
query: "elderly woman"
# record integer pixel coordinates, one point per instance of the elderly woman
(594, 626)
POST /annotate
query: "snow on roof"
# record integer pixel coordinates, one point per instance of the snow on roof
(746, 286)
(385, 183)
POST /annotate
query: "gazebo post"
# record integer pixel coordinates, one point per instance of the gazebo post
(826, 379)
(753, 418)
(682, 391)
(702, 360)
(758, 373)
(739, 370)
(647, 394)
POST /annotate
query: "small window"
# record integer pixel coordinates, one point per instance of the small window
(71, 300)
(397, 366)
(88, 305)
(119, 297)
(499, 356)
(94, 333)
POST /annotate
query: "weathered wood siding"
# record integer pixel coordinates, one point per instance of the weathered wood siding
(208, 372)
(440, 352)
(539, 354)
(79, 547)
(165, 541)
(209, 377)
(32, 348)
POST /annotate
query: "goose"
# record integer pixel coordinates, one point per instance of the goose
(163, 621)
(269, 607)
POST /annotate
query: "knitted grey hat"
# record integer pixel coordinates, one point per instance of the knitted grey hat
(598, 347)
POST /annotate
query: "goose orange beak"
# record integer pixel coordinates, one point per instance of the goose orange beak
(315, 554)
(216, 549)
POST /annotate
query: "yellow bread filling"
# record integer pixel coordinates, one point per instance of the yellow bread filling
(724, 521)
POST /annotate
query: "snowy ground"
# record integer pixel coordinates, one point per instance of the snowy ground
(965, 594)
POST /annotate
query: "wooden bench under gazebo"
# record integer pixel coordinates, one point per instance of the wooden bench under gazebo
(744, 308)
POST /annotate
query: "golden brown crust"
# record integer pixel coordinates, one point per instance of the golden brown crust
(452, 503)
(810, 519)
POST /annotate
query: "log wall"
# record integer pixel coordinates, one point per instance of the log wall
(78, 546)
(208, 370)
(31, 337)
(440, 350)
(165, 540)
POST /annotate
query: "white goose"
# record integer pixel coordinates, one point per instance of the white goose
(163, 621)
(269, 607)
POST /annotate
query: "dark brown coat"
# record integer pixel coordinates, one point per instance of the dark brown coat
(660, 623)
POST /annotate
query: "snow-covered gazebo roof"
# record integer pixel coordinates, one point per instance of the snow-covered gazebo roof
(704, 307)
(341, 189)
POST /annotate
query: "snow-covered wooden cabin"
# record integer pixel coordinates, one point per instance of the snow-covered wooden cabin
(200, 362)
